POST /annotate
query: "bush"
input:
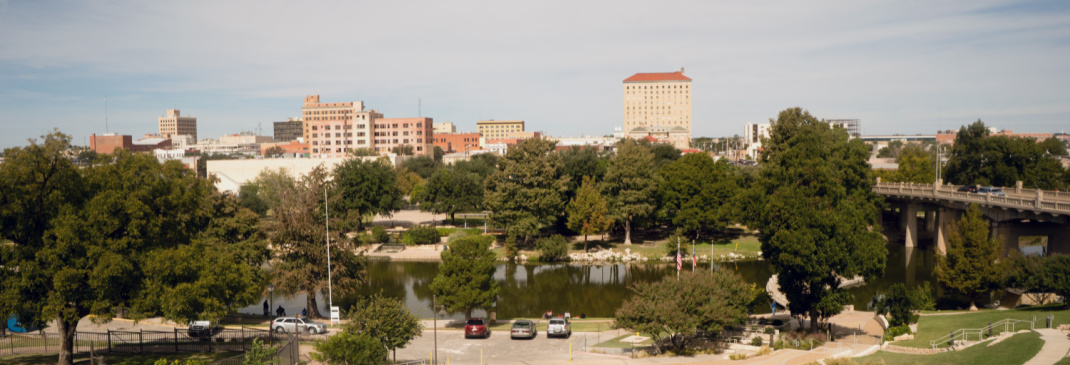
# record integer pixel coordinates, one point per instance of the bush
(756, 341)
(896, 331)
(379, 234)
(769, 330)
(448, 231)
(553, 248)
(677, 240)
(349, 348)
(900, 303)
(422, 235)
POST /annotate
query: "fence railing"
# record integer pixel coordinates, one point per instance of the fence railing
(286, 354)
(1049, 202)
(136, 342)
(963, 335)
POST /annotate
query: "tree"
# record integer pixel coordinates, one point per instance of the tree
(972, 265)
(916, 165)
(664, 153)
(438, 153)
(483, 164)
(299, 235)
(408, 181)
(350, 349)
(588, 213)
(274, 151)
(577, 162)
(363, 152)
(671, 309)
(259, 354)
(450, 191)
(695, 192)
(421, 165)
(402, 150)
(631, 184)
(978, 159)
(1041, 275)
(465, 279)
(527, 190)
(386, 319)
(891, 151)
(364, 188)
(91, 240)
(249, 196)
(553, 248)
(818, 216)
(900, 303)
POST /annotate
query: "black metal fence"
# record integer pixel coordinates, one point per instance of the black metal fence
(286, 354)
(139, 342)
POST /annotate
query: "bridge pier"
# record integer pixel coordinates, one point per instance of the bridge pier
(944, 218)
(908, 221)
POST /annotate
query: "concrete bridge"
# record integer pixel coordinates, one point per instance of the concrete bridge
(1023, 213)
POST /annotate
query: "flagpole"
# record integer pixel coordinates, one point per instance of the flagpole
(677, 258)
(694, 258)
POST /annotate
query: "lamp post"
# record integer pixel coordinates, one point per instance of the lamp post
(327, 222)
(271, 298)
(435, 311)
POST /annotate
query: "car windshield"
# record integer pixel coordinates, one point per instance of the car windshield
(475, 322)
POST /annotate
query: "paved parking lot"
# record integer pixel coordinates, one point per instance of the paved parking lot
(500, 349)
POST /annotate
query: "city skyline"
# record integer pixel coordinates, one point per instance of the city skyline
(907, 68)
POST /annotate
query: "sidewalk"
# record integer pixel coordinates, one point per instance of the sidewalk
(1056, 345)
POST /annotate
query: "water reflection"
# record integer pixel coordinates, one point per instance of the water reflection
(528, 290)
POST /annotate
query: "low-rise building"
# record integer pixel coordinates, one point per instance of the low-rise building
(497, 129)
(457, 142)
(108, 142)
(290, 149)
(173, 123)
(290, 130)
(445, 128)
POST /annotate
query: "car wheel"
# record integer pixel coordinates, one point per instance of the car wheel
(313, 331)
(280, 329)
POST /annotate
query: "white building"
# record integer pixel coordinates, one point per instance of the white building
(752, 137)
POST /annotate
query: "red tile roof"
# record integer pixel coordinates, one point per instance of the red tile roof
(658, 76)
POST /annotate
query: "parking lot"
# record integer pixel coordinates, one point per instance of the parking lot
(500, 349)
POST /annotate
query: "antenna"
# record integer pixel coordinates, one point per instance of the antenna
(419, 108)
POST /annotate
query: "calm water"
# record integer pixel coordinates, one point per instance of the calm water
(529, 290)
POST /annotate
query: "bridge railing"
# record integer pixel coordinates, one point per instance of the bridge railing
(1043, 200)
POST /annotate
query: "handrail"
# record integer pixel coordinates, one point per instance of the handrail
(1007, 324)
(1048, 201)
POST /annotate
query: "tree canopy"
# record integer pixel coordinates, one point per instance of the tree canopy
(527, 190)
(818, 216)
(972, 265)
(980, 159)
(386, 319)
(631, 183)
(364, 188)
(588, 212)
(695, 192)
(465, 279)
(451, 190)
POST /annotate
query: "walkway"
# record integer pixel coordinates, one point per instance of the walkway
(1056, 345)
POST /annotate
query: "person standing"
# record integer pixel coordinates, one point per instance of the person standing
(267, 311)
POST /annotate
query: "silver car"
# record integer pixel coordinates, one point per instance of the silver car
(523, 328)
(559, 327)
(291, 324)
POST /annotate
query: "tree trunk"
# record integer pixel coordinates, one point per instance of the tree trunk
(313, 308)
(584, 243)
(813, 321)
(628, 232)
(66, 348)
(467, 313)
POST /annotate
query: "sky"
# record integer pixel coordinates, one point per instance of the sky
(902, 67)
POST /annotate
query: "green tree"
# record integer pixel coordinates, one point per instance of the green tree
(818, 216)
(588, 212)
(274, 151)
(695, 192)
(465, 279)
(438, 153)
(527, 190)
(978, 159)
(348, 348)
(450, 191)
(421, 165)
(672, 309)
(901, 303)
(386, 319)
(916, 165)
(631, 183)
(664, 153)
(91, 240)
(408, 181)
(249, 196)
(298, 235)
(483, 164)
(364, 188)
(402, 150)
(891, 151)
(259, 354)
(1041, 275)
(972, 265)
(577, 162)
(553, 248)
(363, 152)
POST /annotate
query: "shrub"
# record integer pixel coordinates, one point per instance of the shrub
(900, 303)
(892, 332)
(349, 348)
(379, 234)
(423, 235)
(511, 251)
(448, 231)
(676, 240)
(553, 248)
(769, 330)
(756, 341)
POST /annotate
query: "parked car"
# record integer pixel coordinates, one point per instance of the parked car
(202, 329)
(476, 327)
(523, 329)
(991, 190)
(968, 189)
(559, 327)
(291, 324)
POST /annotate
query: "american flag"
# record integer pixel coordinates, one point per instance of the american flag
(679, 261)
(694, 261)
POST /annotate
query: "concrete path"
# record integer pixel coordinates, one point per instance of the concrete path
(1056, 345)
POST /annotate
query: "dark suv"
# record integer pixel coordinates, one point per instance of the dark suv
(476, 327)
(968, 189)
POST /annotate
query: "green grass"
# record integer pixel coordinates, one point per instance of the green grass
(933, 327)
(614, 343)
(116, 359)
(1064, 361)
(1015, 350)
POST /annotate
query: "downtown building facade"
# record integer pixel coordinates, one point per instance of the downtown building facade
(658, 105)
(335, 129)
(172, 123)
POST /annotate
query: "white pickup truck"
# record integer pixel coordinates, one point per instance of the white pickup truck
(559, 327)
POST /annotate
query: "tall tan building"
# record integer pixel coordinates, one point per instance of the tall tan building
(497, 129)
(173, 124)
(659, 105)
(333, 129)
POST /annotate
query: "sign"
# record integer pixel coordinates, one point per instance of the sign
(335, 315)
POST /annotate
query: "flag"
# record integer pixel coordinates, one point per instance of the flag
(679, 261)
(694, 260)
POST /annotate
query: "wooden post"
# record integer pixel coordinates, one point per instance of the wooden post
(243, 338)
(109, 341)
(176, 340)
(141, 341)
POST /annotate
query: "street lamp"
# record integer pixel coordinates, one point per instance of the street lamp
(271, 298)
(327, 222)
(435, 311)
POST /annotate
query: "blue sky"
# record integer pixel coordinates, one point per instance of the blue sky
(901, 66)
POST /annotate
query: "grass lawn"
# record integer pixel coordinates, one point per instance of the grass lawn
(932, 327)
(1064, 361)
(615, 343)
(1015, 350)
(116, 359)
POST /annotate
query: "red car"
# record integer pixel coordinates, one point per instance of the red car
(476, 327)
